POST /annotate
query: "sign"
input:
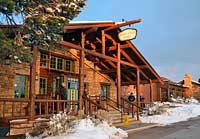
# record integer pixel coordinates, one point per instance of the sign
(127, 34)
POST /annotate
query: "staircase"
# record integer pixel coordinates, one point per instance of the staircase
(117, 118)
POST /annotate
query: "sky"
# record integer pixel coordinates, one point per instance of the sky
(168, 36)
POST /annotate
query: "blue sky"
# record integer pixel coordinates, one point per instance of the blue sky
(168, 36)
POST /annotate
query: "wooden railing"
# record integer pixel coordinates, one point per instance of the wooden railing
(13, 108)
(45, 108)
(91, 105)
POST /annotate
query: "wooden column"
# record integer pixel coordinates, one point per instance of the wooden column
(151, 90)
(138, 91)
(118, 75)
(81, 72)
(32, 84)
(103, 42)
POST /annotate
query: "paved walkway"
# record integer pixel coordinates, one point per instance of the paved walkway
(182, 130)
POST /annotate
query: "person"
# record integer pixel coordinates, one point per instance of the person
(63, 95)
(63, 92)
(142, 102)
(131, 97)
(85, 94)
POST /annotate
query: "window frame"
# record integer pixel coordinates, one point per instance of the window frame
(45, 89)
(43, 61)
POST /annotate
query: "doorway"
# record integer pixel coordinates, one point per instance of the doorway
(72, 94)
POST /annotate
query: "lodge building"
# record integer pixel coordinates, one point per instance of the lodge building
(91, 60)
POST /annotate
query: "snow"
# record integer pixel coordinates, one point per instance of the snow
(181, 111)
(87, 129)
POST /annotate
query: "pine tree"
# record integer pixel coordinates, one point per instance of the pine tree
(43, 22)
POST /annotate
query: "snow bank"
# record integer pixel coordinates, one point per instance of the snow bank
(90, 129)
(181, 112)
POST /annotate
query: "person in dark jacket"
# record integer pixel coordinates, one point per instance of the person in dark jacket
(63, 92)
(63, 95)
(131, 97)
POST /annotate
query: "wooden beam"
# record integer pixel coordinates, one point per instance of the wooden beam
(112, 48)
(144, 60)
(130, 59)
(106, 67)
(123, 24)
(138, 92)
(81, 72)
(111, 38)
(112, 64)
(74, 46)
(32, 83)
(126, 55)
(127, 77)
(141, 82)
(73, 26)
(151, 90)
(103, 42)
(98, 40)
(93, 29)
(118, 75)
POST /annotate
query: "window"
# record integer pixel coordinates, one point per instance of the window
(59, 63)
(69, 65)
(20, 86)
(43, 60)
(53, 62)
(105, 91)
(43, 86)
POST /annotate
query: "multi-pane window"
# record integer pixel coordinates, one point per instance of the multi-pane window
(20, 86)
(53, 62)
(105, 91)
(43, 60)
(69, 65)
(43, 86)
(59, 63)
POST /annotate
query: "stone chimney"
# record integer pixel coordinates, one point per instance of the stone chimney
(188, 80)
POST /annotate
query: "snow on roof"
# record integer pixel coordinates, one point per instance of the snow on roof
(195, 82)
(83, 22)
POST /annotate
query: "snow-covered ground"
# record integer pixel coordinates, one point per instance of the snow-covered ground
(166, 113)
(88, 129)
(180, 111)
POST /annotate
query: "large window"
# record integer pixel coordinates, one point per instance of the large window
(20, 86)
(43, 60)
(43, 86)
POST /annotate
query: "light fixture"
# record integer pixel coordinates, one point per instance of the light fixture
(7, 60)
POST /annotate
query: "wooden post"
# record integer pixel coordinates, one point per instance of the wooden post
(81, 72)
(118, 75)
(138, 91)
(32, 83)
(151, 98)
(103, 42)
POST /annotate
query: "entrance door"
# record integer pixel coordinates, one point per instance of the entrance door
(72, 92)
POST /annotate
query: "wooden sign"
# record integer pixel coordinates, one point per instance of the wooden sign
(127, 34)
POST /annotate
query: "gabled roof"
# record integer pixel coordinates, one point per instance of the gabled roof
(93, 44)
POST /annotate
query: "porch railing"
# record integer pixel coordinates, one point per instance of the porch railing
(12, 108)
(92, 104)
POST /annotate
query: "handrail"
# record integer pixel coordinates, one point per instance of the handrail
(90, 101)
(43, 107)
(131, 103)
